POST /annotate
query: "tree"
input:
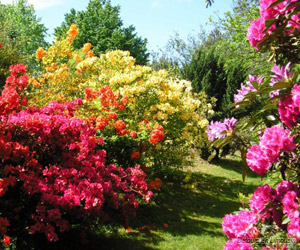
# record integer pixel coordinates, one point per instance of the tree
(208, 73)
(235, 45)
(22, 27)
(101, 26)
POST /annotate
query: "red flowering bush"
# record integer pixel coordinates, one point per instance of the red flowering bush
(54, 162)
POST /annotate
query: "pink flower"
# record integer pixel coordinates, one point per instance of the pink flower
(260, 198)
(257, 160)
(294, 228)
(218, 130)
(289, 107)
(255, 30)
(270, 13)
(290, 203)
(240, 225)
(247, 88)
(274, 141)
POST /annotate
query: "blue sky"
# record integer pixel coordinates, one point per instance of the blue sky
(156, 20)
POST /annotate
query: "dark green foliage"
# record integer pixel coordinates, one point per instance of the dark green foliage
(21, 33)
(100, 25)
(208, 73)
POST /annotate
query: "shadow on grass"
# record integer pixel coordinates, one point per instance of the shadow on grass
(180, 209)
(234, 165)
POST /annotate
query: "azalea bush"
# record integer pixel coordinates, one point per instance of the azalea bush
(53, 173)
(269, 139)
(144, 116)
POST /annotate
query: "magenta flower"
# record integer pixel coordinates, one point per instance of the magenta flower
(294, 228)
(289, 108)
(257, 160)
(255, 30)
(260, 198)
(290, 203)
(274, 141)
(270, 13)
(240, 225)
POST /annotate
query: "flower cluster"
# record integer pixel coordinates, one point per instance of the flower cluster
(217, 130)
(247, 88)
(55, 156)
(255, 30)
(270, 206)
(288, 107)
(274, 141)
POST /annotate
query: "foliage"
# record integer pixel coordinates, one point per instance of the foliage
(234, 45)
(100, 25)
(23, 31)
(9, 52)
(208, 73)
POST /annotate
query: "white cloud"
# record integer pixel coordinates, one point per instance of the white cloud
(39, 4)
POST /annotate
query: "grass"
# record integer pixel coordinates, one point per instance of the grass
(186, 214)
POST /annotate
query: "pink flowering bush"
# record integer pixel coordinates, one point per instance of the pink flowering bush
(276, 28)
(53, 173)
(269, 139)
(268, 209)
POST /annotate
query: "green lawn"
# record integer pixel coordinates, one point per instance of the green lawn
(192, 203)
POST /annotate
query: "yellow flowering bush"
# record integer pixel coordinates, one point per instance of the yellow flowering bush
(141, 97)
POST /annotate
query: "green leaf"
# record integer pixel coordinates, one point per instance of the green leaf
(275, 3)
(285, 220)
(269, 23)
(281, 85)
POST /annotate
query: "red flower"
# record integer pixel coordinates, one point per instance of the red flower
(6, 240)
(0, 45)
(135, 155)
(112, 115)
(133, 134)
(119, 125)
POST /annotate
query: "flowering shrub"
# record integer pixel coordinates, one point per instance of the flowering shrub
(53, 171)
(276, 29)
(272, 220)
(134, 108)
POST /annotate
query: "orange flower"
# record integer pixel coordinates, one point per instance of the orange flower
(73, 31)
(86, 48)
(78, 58)
(166, 225)
(90, 54)
(40, 53)
(128, 230)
